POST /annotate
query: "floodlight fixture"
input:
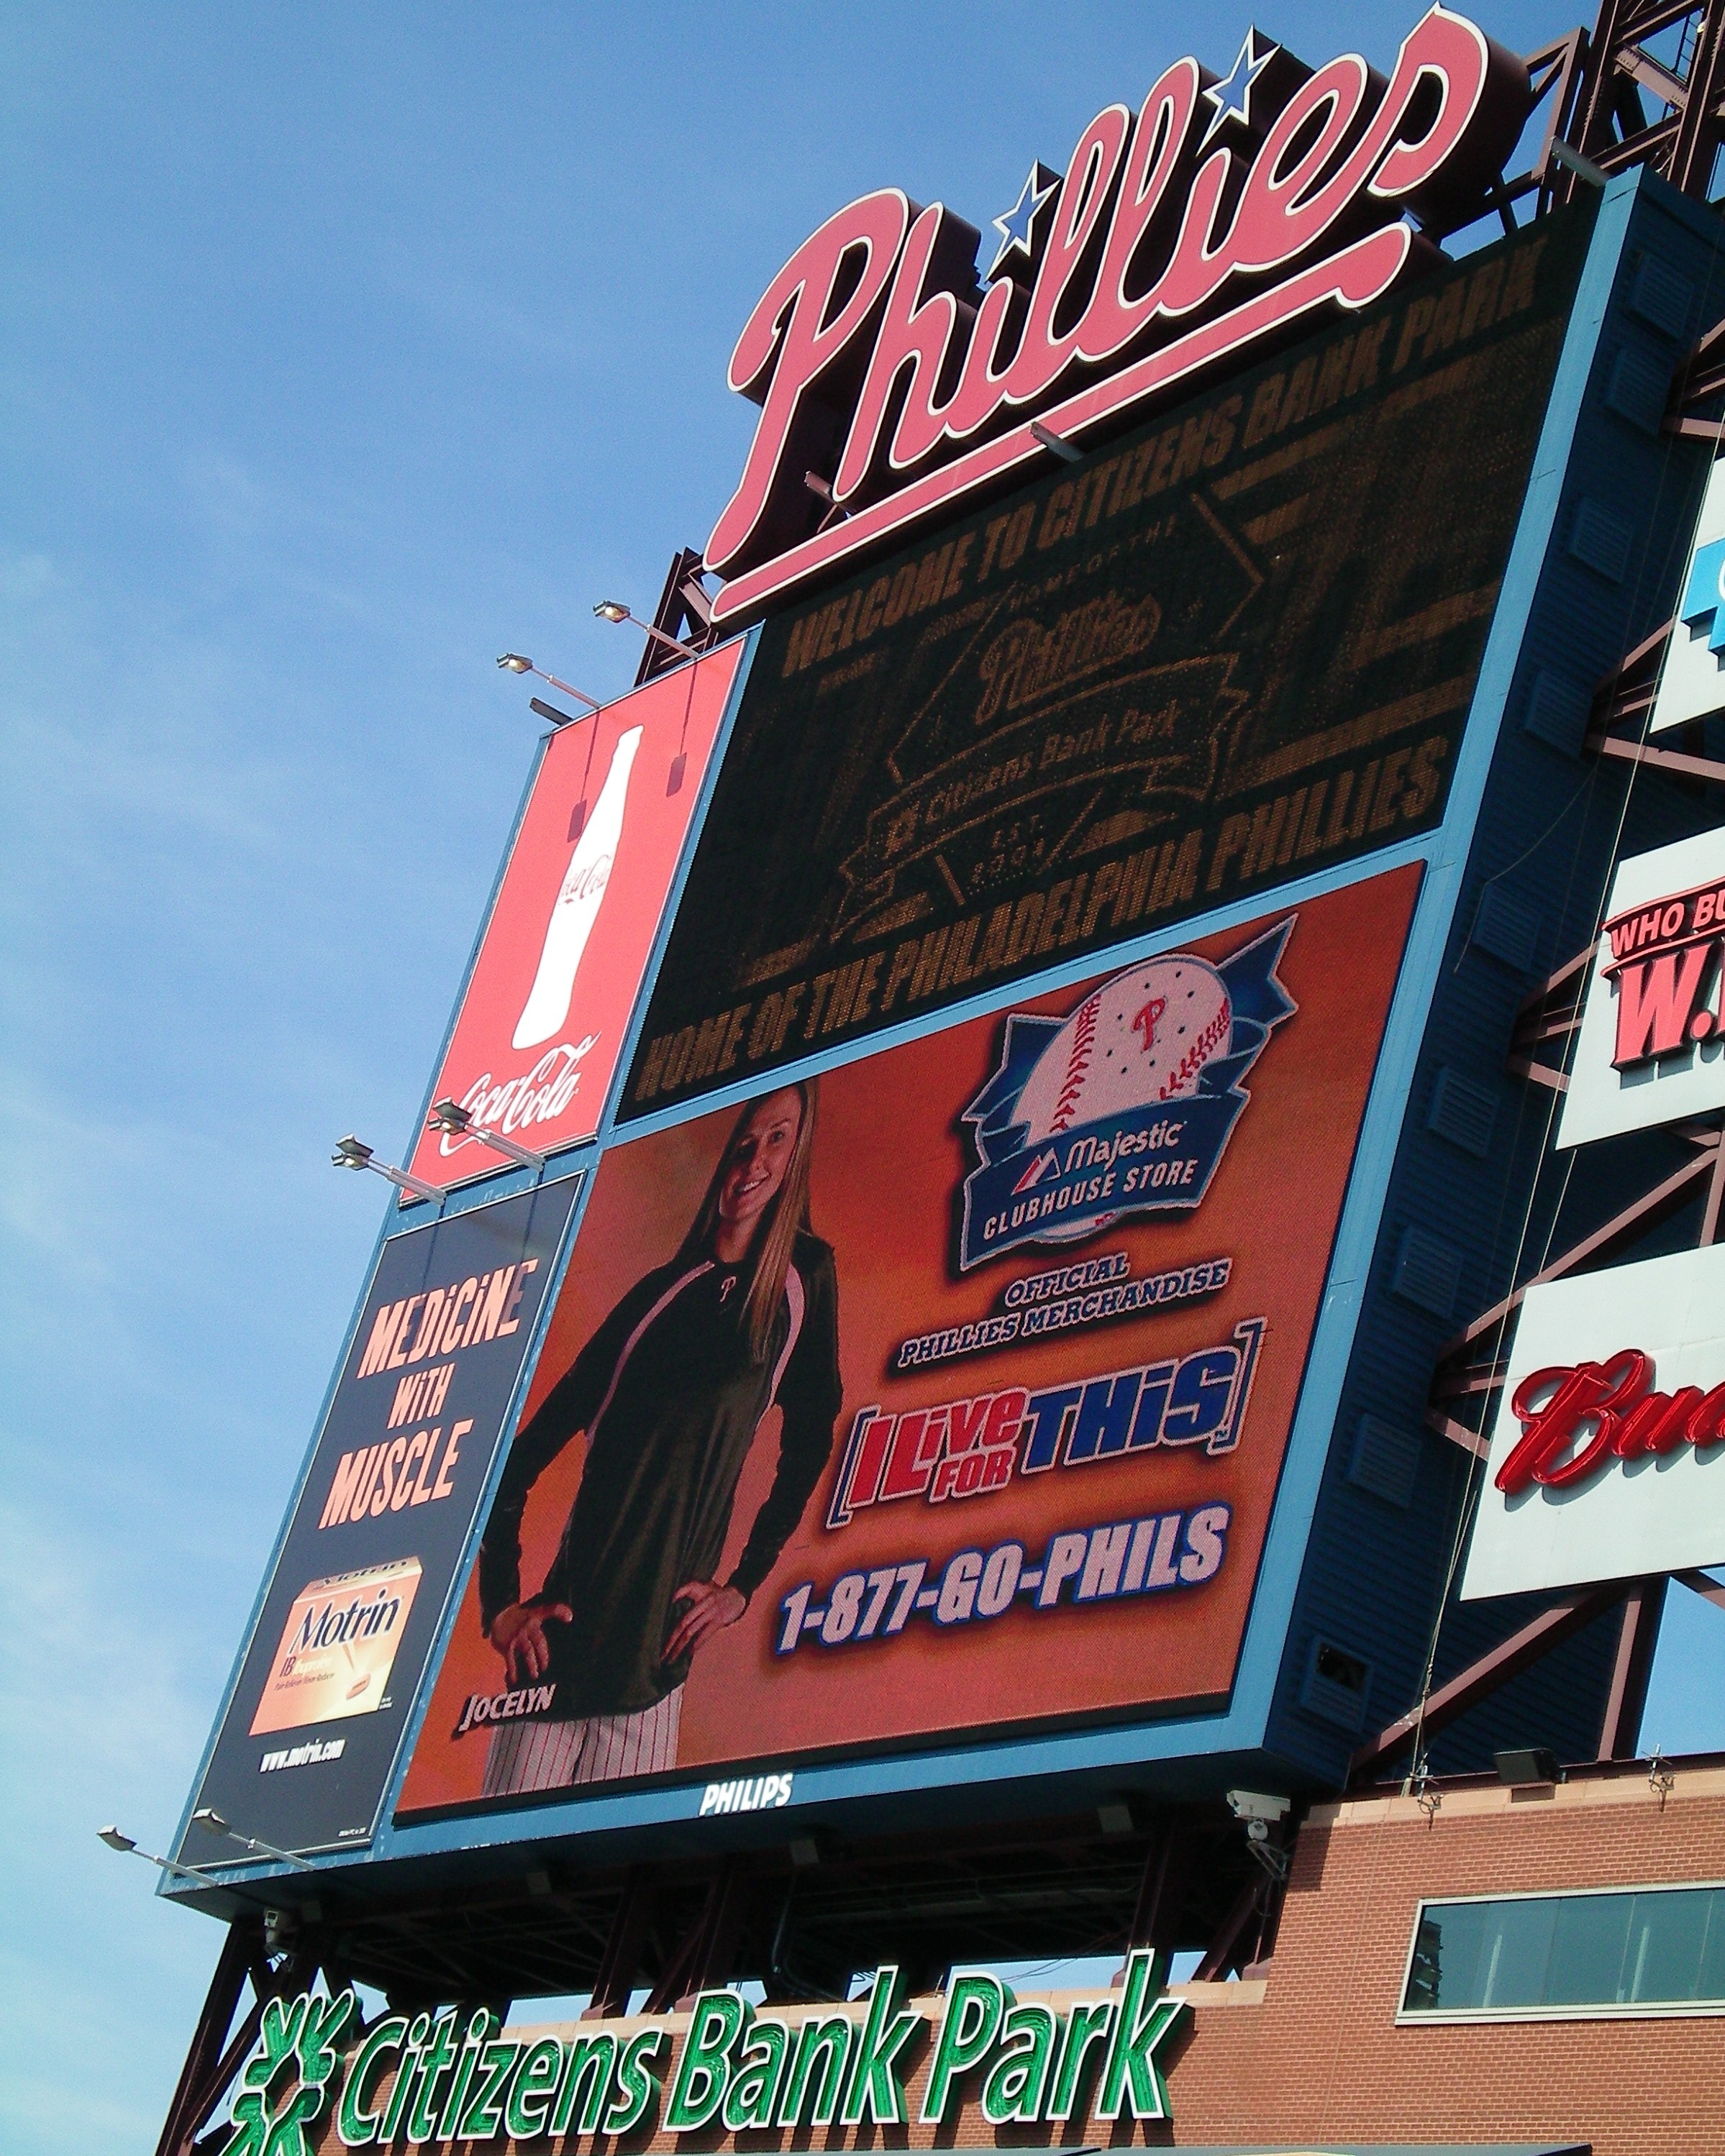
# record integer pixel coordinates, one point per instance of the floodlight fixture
(455, 1122)
(124, 1845)
(350, 1152)
(512, 662)
(207, 1816)
(614, 610)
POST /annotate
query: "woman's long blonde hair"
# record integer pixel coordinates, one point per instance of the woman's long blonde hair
(776, 1234)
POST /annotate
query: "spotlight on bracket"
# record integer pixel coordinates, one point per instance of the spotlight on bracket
(455, 1122)
(124, 1845)
(212, 1822)
(512, 662)
(350, 1152)
(614, 610)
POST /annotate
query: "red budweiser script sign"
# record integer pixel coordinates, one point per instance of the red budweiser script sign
(892, 383)
(1576, 1419)
(1660, 960)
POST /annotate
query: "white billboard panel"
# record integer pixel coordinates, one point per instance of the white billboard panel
(1608, 1451)
(1691, 683)
(1652, 1045)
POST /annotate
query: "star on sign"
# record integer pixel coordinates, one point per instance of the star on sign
(1017, 227)
(1230, 98)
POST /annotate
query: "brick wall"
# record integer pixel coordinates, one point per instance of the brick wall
(1321, 2058)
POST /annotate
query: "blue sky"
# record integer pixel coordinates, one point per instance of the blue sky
(342, 350)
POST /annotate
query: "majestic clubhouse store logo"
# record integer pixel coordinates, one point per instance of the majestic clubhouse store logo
(891, 385)
(1126, 1105)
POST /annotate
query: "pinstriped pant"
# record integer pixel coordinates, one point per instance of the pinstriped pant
(598, 1748)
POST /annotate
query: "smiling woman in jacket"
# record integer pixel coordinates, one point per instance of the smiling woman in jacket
(670, 1391)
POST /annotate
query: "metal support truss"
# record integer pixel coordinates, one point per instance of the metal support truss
(1628, 108)
(1507, 1659)
(703, 1957)
(1637, 1637)
(621, 1962)
(684, 612)
(1457, 1377)
(214, 2056)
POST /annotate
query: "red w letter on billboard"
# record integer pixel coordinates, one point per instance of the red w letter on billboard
(1654, 1002)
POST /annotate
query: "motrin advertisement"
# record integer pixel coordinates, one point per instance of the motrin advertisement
(542, 1021)
(1651, 1046)
(305, 1747)
(1608, 1450)
(1236, 646)
(946, 1392)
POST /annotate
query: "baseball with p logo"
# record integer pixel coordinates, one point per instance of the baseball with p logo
(1125, 1105)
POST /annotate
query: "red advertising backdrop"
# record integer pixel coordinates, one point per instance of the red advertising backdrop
(544, 1014)
(1078, 1246)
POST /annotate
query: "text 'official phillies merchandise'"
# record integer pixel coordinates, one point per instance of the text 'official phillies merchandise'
(946, 1392)
(541, 1020)
(309, 1737)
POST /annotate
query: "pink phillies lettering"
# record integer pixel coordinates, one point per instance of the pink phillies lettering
(877, 363)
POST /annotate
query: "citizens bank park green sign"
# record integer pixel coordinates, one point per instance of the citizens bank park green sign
(730, 2068)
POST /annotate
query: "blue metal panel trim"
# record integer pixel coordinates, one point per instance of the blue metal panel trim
(1577, 400)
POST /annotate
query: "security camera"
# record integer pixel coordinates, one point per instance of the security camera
(1257, 1808)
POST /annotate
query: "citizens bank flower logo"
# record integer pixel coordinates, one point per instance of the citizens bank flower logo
(286, 2081)
(1124, 1105)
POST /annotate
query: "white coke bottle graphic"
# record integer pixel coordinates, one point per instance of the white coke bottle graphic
(578, 902)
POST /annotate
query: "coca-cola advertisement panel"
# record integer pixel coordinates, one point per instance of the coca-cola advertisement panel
(1607, 1459)
(947, 1392)
(305, 1747)
(545, 1010)
(1237, 646)
(1652, 1040)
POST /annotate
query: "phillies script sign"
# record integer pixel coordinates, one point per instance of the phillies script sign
(1607, 1457)
(892, 386)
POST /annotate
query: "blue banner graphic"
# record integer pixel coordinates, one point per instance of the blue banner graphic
(1126, 1105)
